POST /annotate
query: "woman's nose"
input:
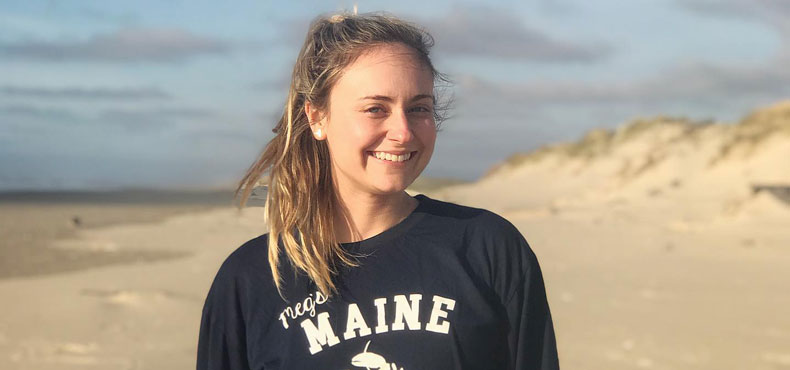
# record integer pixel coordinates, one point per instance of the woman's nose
(398, 128)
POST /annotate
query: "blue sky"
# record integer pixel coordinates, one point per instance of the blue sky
(97, 94)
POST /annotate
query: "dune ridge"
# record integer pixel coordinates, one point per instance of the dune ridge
(656, 251)
(662, 160)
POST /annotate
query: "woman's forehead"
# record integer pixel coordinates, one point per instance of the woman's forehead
(393, 54)
(386, 71)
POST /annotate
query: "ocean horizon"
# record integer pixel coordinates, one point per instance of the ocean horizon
(120, 196)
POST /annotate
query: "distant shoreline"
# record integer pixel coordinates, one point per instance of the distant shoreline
(133, 196)
(31, 222)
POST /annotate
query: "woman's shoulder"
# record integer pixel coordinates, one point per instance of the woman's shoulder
(494, 248)
(253, 249)
(248, 261)
(477, 221)
(484, 233)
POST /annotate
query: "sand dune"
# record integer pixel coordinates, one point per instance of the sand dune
(656, 161)
(657, 252)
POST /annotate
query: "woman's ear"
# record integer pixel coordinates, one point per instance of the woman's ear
(316, 121)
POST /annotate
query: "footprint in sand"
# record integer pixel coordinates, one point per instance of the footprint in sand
(40, 351)
(92, 245)
(644, 362)
(72, 348)
(780, 359)
(648, 294)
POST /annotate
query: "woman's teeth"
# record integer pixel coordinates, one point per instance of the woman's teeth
(392, 157)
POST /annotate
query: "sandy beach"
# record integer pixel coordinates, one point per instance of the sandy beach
(133, 315)
(624, 296)
(30, 222)
(656, 252)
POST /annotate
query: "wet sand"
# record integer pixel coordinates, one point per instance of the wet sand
(31, 223)
(122, 315)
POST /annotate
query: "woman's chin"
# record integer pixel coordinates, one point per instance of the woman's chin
(392, 186)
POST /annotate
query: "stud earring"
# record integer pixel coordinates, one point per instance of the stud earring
(318, 134)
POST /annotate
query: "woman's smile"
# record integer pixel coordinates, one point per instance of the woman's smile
(395, 158)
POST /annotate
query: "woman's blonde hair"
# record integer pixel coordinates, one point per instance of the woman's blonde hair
(300, 198)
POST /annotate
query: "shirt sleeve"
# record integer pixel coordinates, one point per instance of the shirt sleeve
(222, 338)
(531, 335)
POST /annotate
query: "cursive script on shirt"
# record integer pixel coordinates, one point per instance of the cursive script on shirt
(307, 306)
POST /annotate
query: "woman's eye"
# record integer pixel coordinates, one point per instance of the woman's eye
(376, 111)
(420, 110)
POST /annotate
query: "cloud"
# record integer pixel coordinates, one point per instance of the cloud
(125, 45)
(21, 122)
(34, 118)
(131, 93)
(775, 13)
(487, 32)
(701, 82)
(738, 8)
(498, 34)
(152, 118)
(281, 84)
(24, 111)
(557, 7)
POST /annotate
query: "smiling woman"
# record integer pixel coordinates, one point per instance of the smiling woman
(377, 123)
(354, 271)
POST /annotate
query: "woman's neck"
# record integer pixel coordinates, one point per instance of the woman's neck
(361, 216)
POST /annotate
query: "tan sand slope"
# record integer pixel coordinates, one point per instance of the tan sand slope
(661, 162)
(655, 250)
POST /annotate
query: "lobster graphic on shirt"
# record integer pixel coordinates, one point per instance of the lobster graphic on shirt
(372, 361)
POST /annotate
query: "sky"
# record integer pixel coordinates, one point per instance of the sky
(173, 94)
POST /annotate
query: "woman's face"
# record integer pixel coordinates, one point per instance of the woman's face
(380, 128)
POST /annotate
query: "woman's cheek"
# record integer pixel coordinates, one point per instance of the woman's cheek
(428, 132)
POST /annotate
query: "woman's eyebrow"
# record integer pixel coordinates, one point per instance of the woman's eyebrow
(423, 96)
(389, 99)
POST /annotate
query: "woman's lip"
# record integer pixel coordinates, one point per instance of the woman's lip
(411, 156)
(393, 153)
